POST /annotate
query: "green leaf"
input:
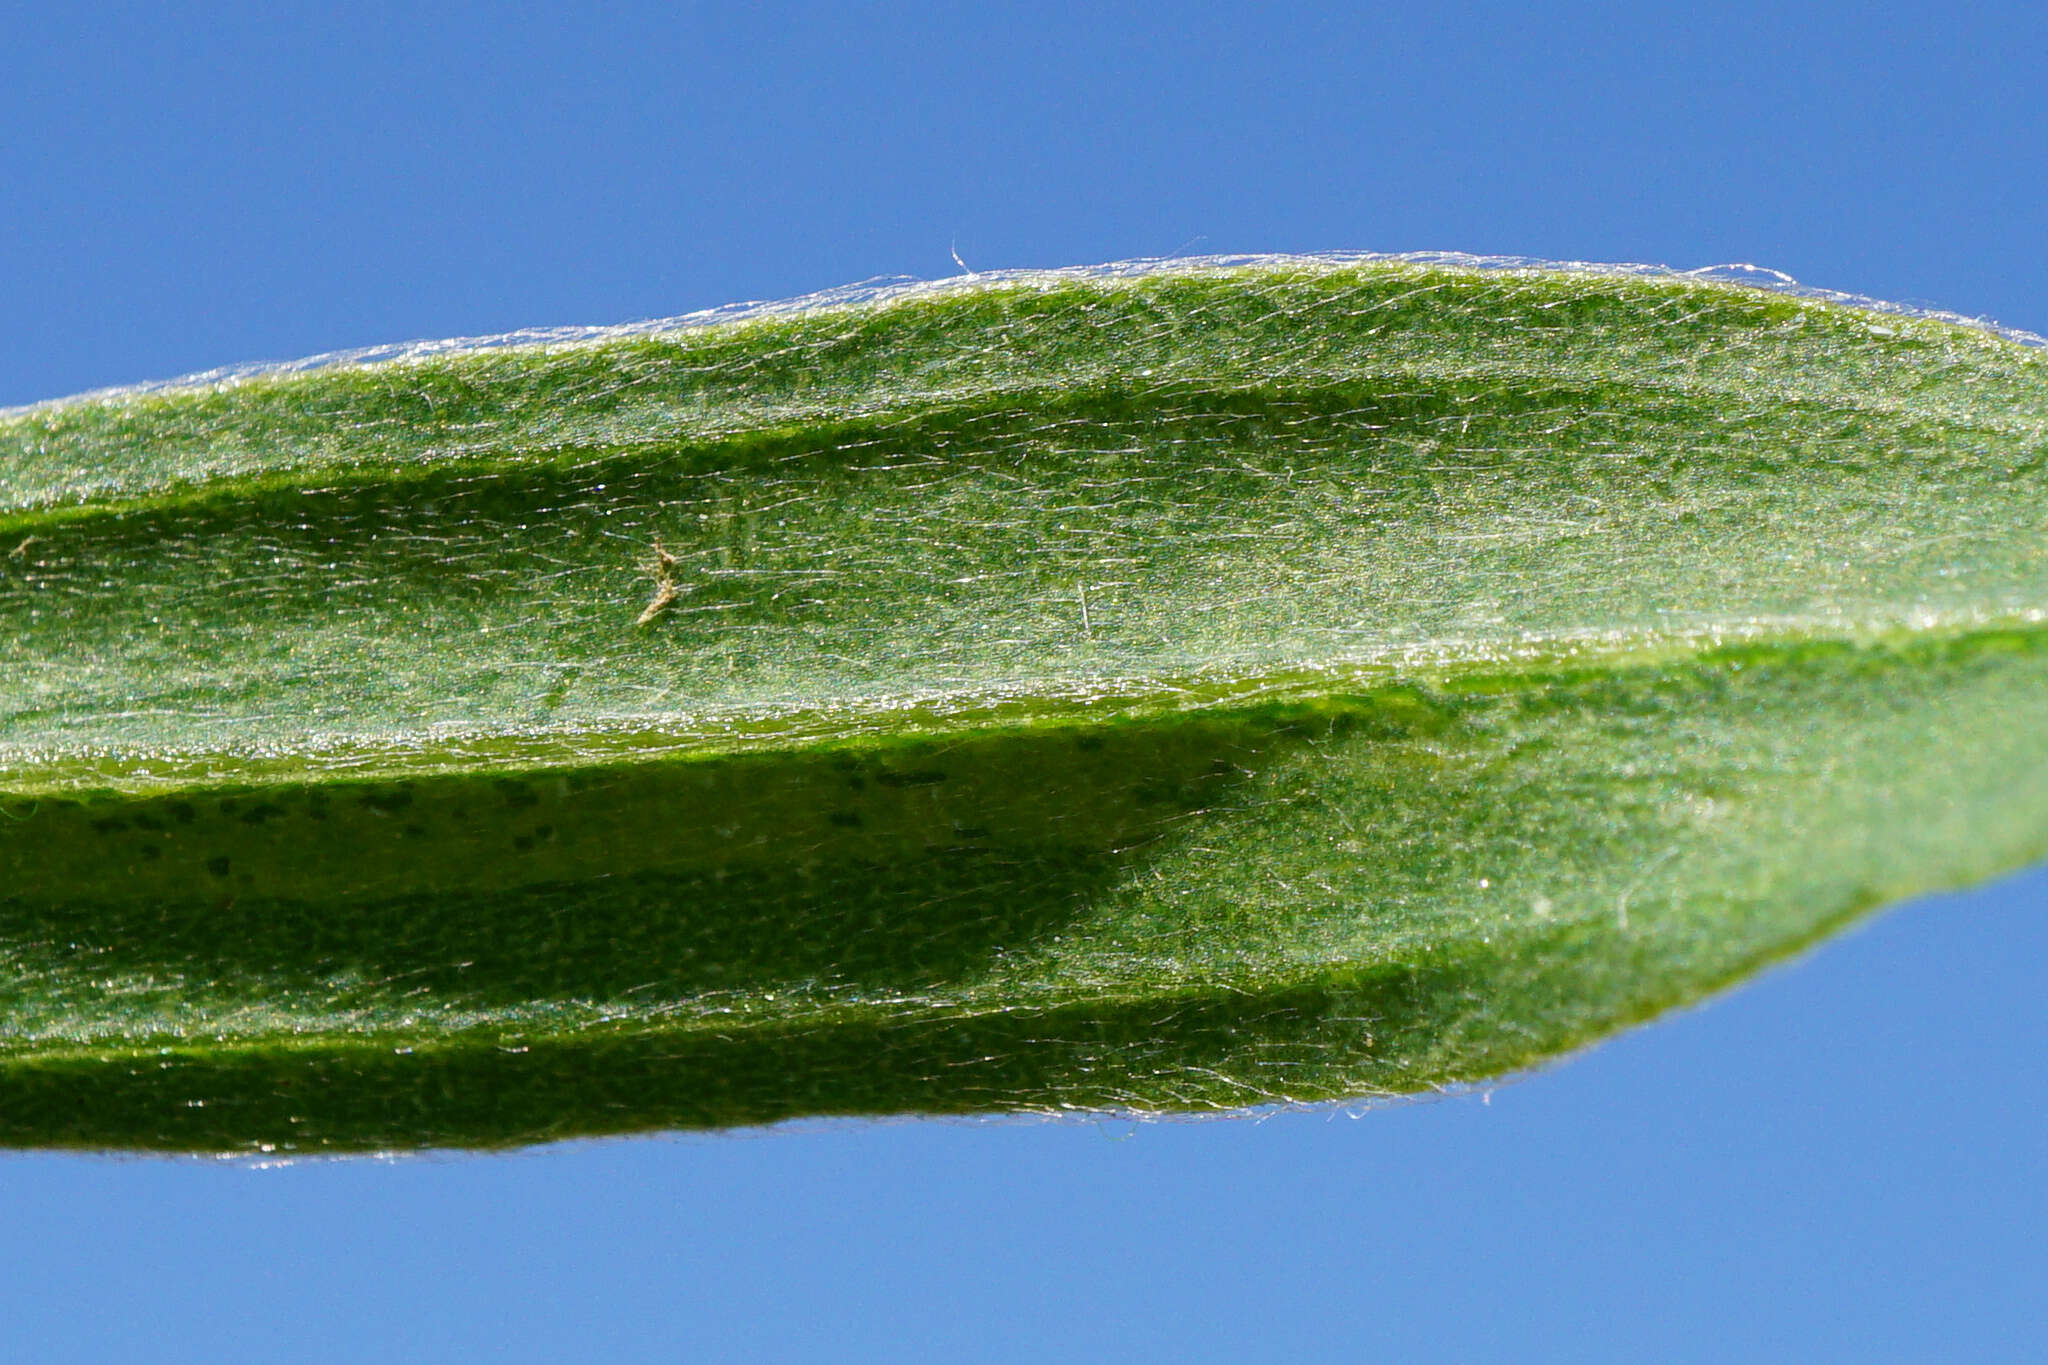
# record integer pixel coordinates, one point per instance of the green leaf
(1184, 689)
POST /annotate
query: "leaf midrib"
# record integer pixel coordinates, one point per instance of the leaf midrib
(813, 429)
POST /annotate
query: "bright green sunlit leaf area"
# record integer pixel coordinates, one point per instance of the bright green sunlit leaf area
(1187, 689)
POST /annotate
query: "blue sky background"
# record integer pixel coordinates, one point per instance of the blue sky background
(1844, 1161)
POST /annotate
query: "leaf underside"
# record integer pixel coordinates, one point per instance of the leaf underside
(1185, 690)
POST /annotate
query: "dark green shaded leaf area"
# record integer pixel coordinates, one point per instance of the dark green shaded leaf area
(1176, 691)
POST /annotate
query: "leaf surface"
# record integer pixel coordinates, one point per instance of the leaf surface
(1182, 690)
